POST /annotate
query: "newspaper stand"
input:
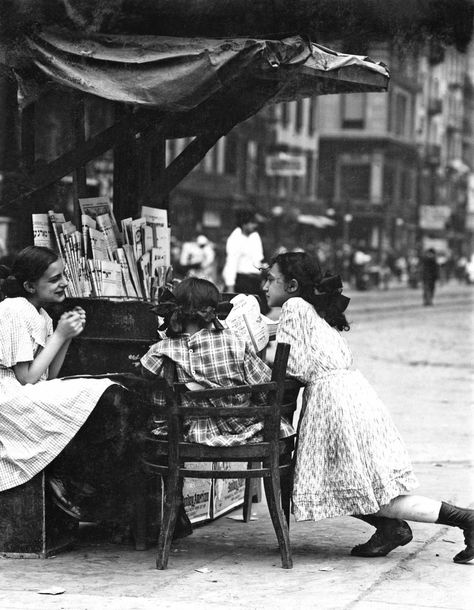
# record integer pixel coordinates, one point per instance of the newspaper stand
(251, 74)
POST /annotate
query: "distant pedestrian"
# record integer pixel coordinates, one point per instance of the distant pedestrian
(429, 275)
(244, 257)
(350, 459)
(197, 258)
(360, 260)
(413, 269)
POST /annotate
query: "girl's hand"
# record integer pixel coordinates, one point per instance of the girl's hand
(82, 313)
(70, 325)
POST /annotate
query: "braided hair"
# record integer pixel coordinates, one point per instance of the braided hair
(192, 300)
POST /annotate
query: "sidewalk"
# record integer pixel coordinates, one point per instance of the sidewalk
(420, 366)
(237, 565)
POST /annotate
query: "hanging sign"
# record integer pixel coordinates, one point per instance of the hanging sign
(285, 164)
(434, 217)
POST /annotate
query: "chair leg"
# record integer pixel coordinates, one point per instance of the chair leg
(248, 499)
(168, 522)
(286, 483)
(273, 493)
(141, 499)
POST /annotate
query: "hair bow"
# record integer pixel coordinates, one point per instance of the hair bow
(175, 315)
(330, 293)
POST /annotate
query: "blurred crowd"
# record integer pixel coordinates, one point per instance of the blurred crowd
(361, 267)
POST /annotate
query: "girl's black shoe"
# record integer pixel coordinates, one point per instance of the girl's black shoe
(463, 518)
(60, 498)
(393, 533)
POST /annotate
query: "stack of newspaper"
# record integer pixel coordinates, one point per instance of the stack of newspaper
(102, 259)
(246, 320)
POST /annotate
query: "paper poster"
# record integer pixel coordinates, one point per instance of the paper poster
(42, 231)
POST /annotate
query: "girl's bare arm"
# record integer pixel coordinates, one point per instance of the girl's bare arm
(70, 325)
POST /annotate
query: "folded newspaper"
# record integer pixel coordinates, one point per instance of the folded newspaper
(246, 320)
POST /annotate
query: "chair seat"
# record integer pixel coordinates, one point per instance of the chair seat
(205, 453)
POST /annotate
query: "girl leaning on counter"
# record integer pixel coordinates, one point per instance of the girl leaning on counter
(78, 429)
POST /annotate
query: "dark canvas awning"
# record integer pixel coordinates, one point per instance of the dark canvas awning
(179, 74)
(180, 87)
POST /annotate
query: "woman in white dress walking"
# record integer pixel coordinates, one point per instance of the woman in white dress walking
(350, 459)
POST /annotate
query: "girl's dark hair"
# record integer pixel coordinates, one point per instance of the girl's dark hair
(29, 266)
(194, 295)
(305, 269)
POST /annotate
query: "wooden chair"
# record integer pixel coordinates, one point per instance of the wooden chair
(272, 457)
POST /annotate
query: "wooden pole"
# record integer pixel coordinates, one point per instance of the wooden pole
(79, 176)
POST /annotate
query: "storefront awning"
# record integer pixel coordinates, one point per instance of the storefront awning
(320, 222)
(178, 74)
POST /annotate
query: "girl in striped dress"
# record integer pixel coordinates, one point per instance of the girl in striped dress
(350, 457)
(40, 415)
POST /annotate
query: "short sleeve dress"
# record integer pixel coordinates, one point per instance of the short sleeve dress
(350, 457)
(36, 420)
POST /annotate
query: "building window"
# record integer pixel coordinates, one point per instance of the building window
(299, 115)
(252, 168)
(285, 114)
(310, 174)
(406, 187)
(353, 111)
(312, 116)
(230, 155)
(354, 181)
(388, 183)
(401, 115)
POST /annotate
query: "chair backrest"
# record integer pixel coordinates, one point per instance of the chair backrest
(270, 412)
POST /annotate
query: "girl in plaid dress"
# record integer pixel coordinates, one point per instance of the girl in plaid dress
(204, 354)
(350, 458)
(42, 417)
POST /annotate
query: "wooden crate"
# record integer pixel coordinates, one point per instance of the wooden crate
(30, 524)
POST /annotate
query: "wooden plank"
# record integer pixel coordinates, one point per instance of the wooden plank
(79, 176)
(30, 526)
(213, 120)
(27, 136)
(158, 171)
(95, 146)
(185, 162)
(125, 203)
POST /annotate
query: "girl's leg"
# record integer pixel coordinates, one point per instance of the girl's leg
(413, 508)
(419, 508)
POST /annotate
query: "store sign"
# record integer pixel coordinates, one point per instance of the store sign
(437, 244)
(285, 164)
(433, 217)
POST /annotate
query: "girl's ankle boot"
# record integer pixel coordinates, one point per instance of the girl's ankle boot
(390, 533)
(463, 518)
